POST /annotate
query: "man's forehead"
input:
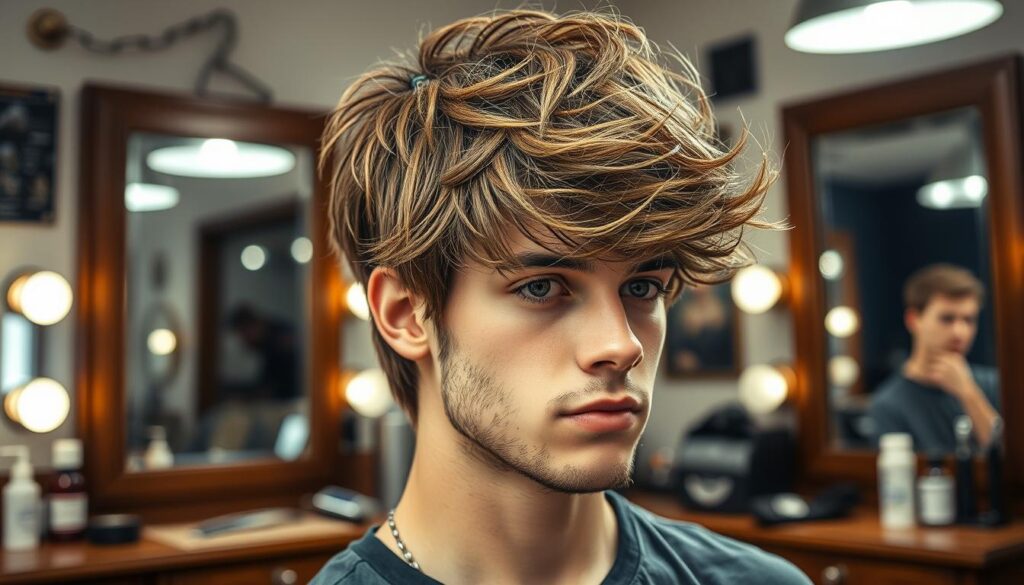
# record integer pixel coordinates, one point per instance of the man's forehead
(946, 303)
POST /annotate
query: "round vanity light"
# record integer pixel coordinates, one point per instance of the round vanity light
(40, 406)
(302, 249)
(830, 264)
(140, 197)
(220, 158)
(161, 341)
(757, 288)
(843, 371)
(355, 299)
(368, 393)
(254, 257)
(43, 297)
(763, 388)
(842, 321)
(860, 26)
(960, 193)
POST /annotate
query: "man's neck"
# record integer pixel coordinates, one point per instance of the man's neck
(467, 522)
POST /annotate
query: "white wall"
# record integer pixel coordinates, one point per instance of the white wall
(306, 51)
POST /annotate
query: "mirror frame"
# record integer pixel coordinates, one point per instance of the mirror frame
(993, 88)
(109, 117)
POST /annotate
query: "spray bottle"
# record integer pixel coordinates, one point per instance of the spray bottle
(22, 507)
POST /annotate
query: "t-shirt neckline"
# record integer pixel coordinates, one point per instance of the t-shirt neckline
(395, 570)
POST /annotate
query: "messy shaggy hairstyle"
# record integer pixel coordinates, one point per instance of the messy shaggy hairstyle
(571, 128)
(941, 280)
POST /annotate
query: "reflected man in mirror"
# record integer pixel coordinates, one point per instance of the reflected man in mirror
(273, 340)
(936, 385)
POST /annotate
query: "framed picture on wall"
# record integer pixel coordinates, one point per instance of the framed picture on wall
(702, 334)
(28, 153)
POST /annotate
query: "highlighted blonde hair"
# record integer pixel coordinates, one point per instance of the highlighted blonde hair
(570, 127)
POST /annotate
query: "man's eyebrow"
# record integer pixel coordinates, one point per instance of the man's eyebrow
(542, 260)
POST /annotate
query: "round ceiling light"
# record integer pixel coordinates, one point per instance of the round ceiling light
(861, 26)
(219, 158)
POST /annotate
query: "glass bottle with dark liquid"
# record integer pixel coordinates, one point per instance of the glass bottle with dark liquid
(67, 498)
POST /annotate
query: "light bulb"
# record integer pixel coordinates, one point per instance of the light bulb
(355, 298)
(843, 371)
(757, 288)
(842, 321)
(830, 264)
(43, 297)
(40, 406)
(161, 341)
(302, 249)
(368, 393)
(254, 257)
(763, 388)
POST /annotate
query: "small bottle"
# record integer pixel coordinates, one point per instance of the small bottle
(966, 503)
(22, 507)
(69, 502)
(896, 471)
(935, 495)
(158, 453)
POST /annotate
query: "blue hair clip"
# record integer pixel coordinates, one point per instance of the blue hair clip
(417, 81)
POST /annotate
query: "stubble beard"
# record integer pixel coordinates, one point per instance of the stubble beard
(479, 409)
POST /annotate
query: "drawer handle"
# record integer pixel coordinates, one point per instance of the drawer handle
(284, 577)
(834, 575)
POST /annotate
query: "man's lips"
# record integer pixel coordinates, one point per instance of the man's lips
(625, 403)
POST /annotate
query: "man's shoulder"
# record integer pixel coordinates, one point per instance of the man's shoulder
(672, 546)
(346, 568)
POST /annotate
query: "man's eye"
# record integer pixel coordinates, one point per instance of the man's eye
(647, 290)
(537, 291)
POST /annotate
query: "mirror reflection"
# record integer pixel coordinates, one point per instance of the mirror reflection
(218, 273)
(906, 272)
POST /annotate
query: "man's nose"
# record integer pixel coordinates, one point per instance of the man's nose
(606, 340)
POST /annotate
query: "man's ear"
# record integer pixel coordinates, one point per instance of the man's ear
(910, 318)
(397, 315)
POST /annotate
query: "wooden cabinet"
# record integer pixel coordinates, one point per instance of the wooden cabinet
(858, 551)
(287, 561)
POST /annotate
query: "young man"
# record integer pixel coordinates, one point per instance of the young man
(522, 205)
(937, 385)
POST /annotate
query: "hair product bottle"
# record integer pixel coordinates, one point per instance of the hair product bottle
(69, 504)
(966, 505)
(896, 471)
(21, 503)
(935, 494)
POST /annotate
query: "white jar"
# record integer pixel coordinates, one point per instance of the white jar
(896, 470)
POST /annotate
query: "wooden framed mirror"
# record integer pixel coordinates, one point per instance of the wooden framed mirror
(233, 251)
(861, 168)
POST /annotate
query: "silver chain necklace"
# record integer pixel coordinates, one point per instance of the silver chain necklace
(398, 540)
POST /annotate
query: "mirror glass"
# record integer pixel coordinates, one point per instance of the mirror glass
(217, 288)
(898, 200)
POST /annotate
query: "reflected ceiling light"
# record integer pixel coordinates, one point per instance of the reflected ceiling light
(843, 371)
(960, 193)
(861, 26)
(161, 341)
(302, 249)
(139, 197)
(40, 406)
(43, 297)
(355, 299)
(254, 257)
(842, 321)
(368, 393)
(830, 263)
(756, 288)
(220, 158)
(763, 388)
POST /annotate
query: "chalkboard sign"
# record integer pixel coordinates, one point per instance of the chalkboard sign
(28, 153)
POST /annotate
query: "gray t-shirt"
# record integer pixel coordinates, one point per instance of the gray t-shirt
(651, 550)
(927, 413)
